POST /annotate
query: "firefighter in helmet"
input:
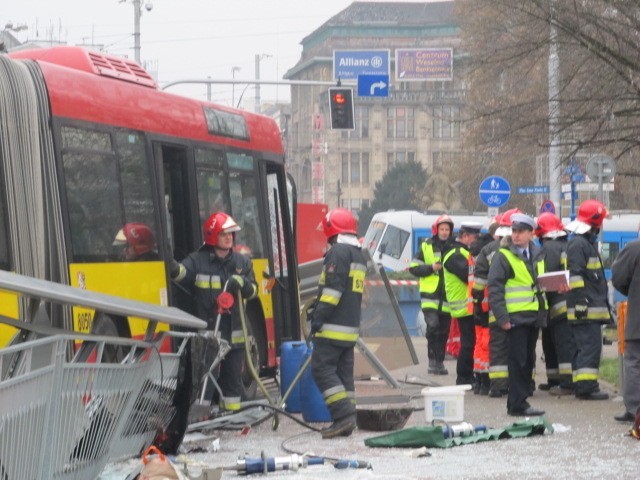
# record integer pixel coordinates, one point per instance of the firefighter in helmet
(587, 301)
(210, 270)
(498, 361)
(457, 265)
(427, 266)
(335, 320)
(558, 344)
(137, 242)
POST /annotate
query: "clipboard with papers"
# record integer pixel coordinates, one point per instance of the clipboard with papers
(553, 281)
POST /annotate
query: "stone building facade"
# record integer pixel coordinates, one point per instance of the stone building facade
(419, 120)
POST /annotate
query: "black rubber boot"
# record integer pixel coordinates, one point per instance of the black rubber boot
(485, 384)
(432, 369)
(441, 369)
(342, 427)
(476, 383)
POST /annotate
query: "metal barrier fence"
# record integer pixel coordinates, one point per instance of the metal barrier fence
(59, 418)
(153, 407)
(65, 409)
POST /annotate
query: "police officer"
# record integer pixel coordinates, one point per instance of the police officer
(210, 270)
(335, 320)
(557, 338)
(518, 307)
(427, 265)
(587, 301)
(458, 267)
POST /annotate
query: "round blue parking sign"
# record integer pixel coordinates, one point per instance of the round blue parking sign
(548, 206)
(494, 191)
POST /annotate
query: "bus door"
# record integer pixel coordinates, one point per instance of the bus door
(284, 271)
(180, 221)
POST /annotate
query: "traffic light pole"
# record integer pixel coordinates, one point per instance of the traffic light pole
(234, 81)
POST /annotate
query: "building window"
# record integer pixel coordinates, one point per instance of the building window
(345, 168)
(400, 122)
(355, 168)
(446, 122)
(394, 158)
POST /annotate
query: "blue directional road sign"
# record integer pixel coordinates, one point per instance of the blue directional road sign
(533, 189)
(348, 64)
(373, 85)
(548, 206)
(494, 191)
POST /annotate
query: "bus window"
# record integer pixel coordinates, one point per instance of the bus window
(244, 209)
(393, 242)
(107, 186)
(211, 179)
(92, 187)
(135, 179)
(609, 252)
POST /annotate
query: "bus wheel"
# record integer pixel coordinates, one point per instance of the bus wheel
(106, 326)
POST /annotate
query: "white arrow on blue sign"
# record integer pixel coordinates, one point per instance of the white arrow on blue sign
(373, 85)
(494, 191)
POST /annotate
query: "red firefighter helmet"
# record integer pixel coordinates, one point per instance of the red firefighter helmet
(592, 212)
(339, 220)
(444, 218)
(549, 226)
(216, 223)
(138, 236)
(504, 227)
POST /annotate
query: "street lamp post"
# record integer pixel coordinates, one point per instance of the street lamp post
(259, 56)
(137, 13)
(233, 86)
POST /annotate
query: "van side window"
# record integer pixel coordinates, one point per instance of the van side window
(393, 241)
(609, 251)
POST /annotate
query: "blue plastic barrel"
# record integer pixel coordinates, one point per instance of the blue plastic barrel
(290, 362)
(311, 400)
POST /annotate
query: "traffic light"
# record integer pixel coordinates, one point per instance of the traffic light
(341, 101)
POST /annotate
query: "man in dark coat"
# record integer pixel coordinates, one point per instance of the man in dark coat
(625, 276)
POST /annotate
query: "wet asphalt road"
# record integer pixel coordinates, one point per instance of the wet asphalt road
(587, 442)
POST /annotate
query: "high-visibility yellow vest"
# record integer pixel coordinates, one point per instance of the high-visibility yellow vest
(457, 293)
(429, 284)
(520, 291)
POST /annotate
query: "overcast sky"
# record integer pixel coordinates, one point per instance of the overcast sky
(187, 38)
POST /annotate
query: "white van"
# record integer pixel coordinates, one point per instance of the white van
(393, 237)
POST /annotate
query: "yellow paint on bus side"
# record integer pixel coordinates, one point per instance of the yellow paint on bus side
(9, 308)
(143, 281)
(260, 265)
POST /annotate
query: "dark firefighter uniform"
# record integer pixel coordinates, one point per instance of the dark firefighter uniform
(588, 295)
(557, 338)
(433, 301)
(498, 351)
(456, 265)
(206, 274)
(515, 298)
(336, 321)
(481, 359)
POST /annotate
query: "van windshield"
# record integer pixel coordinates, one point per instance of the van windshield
(393, 242)
(373, 235)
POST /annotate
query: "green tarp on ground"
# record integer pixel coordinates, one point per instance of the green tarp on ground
(432, 436)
